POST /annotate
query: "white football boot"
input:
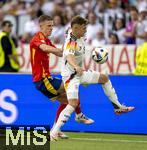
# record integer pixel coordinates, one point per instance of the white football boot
(81, 118)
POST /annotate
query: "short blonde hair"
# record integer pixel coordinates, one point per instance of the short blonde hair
(43, 18)
(78, 20)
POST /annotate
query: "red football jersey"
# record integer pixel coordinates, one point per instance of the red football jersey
(39, 58)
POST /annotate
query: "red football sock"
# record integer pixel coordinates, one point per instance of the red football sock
(60, 108)
(78, 108)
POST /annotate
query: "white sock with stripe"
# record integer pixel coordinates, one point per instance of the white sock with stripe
(63, 118)
(110, 92)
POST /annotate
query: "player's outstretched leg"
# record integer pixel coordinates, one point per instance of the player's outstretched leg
(110, 92)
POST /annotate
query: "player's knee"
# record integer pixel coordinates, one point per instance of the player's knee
(103, 78)
(73, 102)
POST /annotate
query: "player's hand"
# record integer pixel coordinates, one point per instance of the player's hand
(79, 70)
(58, 52)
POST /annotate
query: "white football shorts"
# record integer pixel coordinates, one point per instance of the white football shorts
(72, 84)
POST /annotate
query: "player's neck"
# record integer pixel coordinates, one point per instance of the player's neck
(44, 33)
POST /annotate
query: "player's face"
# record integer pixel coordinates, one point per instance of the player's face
(79, 30)
(47, 27)
(82, 30)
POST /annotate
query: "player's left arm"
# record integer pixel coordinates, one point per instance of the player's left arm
(41, 43)
(50, 49)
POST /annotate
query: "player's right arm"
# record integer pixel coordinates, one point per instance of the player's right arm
(72, 61)
(69, 52)
(50, 49)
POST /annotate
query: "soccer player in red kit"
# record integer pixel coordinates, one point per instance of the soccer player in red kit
(53, 88)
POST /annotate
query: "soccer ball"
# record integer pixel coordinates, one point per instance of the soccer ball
(100, 55)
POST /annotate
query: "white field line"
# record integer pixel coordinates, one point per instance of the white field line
(109, 140)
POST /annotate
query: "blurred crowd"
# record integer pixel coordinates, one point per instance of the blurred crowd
(110, 21)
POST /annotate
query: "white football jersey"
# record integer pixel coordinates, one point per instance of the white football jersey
(75, 47)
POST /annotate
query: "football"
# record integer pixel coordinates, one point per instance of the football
(100, 55)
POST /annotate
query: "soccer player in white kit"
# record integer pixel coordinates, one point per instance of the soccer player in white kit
(73, 75)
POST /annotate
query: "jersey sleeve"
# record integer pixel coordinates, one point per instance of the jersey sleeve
(70, 48)
(39, 40)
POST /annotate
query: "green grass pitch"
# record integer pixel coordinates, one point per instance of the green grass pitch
(88, 141)
(98, 141)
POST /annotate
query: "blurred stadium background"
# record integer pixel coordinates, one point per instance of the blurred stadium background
(114, 24)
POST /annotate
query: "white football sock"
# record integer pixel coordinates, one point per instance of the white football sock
(110, 92)
(63, 118)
